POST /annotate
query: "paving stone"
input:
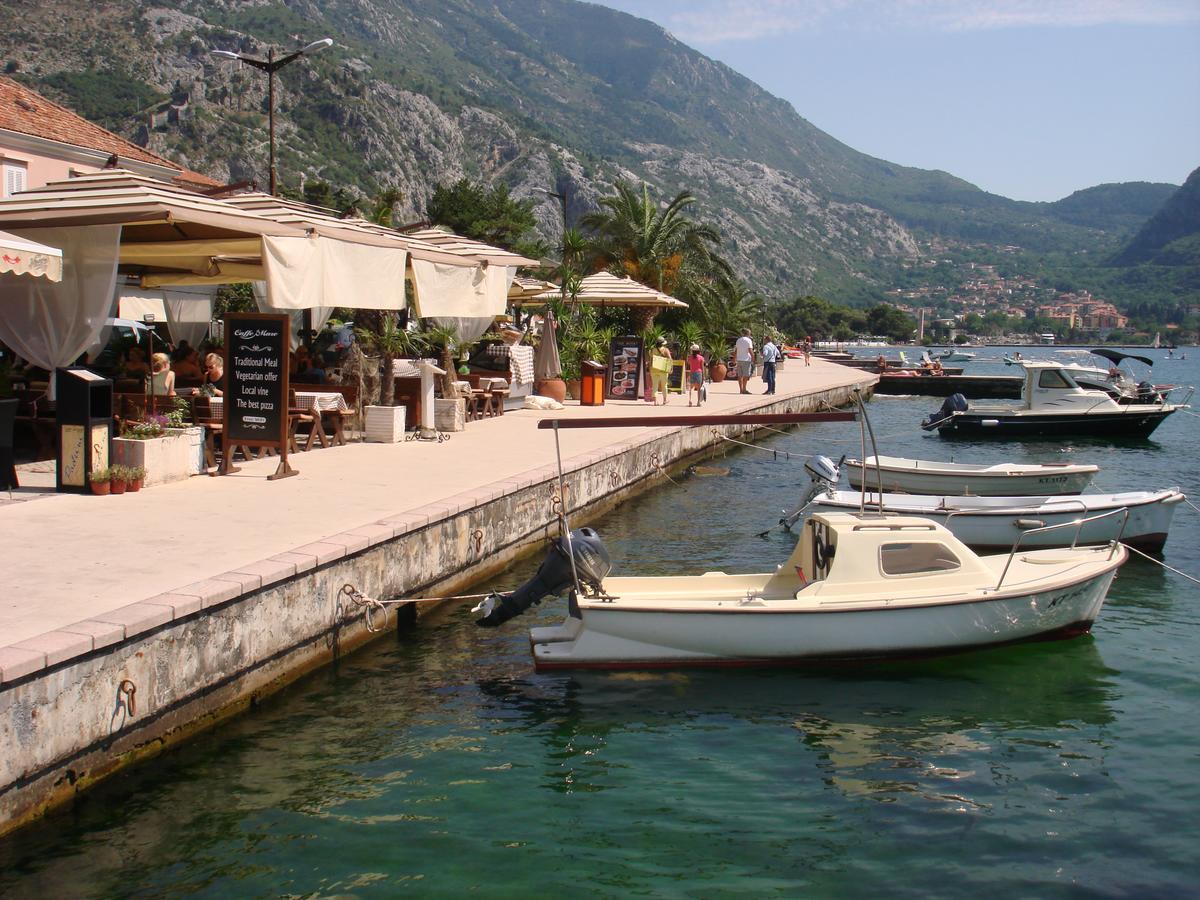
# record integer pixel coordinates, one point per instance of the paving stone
(268, 571)
(210, 591)
(245, 580)
(58, 646)
(302, 561)
(138, 617)
(181, 604)
(323, 551)
(375, 533)
(351, 542)
(102, 634)
(17, 662)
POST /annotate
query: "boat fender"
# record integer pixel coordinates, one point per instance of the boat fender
(1026, 524)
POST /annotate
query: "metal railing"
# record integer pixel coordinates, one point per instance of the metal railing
(1077, 524)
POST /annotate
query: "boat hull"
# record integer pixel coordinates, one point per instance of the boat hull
(995, 529)
(1139, 424)
(613, 637)
(914, 481)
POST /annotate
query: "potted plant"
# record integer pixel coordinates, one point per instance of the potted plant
(100, 480)
(137, 474)
(384, 423)
(118, 479)
(716, 350)
(450, 410)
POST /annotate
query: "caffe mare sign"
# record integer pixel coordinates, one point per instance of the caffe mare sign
(256, 386)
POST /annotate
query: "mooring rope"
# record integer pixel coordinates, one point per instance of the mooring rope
(1161, 563)
(775, 453)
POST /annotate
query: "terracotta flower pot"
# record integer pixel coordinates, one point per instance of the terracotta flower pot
(100, 488)
(134, 486)
(717, 372)
(554, 388)
(117, 487)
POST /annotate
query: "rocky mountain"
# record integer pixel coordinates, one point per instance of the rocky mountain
(1172, 234)
(541, 94)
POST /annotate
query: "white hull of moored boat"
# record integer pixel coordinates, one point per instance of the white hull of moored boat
(767, 632)
(994, 523)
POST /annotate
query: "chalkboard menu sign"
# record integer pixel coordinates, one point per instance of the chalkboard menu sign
(675, 377)
(256, 384)
(625, 368)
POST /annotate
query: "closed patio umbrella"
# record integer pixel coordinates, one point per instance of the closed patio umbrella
(546, 364)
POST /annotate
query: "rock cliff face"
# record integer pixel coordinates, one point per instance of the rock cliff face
(540, 94)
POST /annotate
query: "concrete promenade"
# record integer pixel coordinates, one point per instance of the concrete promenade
(129, 623)
(77, 558)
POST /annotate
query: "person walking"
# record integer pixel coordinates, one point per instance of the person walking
(743, 358)
(770, 356)
(660, 369)
(695, 367)
(807, 350)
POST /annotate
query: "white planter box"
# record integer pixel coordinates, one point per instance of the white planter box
(450, 415)
(384, 424)
(176, 455)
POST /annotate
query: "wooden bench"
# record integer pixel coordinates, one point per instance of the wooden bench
(339, 417)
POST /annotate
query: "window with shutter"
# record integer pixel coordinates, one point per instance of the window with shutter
(14, 178)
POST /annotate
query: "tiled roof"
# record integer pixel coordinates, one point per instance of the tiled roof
(26, 111)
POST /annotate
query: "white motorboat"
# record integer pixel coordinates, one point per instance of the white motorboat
(995, 523)
(956, 356)
(1053, 405)
(922, 476)
(855, 588)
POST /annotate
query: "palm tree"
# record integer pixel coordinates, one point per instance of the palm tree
(724, 309)
(385, 336)
(653, 245)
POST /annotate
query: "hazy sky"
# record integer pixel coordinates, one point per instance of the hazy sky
(1031, 99)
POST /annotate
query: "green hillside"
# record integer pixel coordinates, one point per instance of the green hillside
(535, 94)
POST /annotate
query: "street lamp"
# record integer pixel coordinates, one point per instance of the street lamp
(271, 65)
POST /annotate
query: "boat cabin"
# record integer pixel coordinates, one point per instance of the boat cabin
(844, 552)
(1051, 386)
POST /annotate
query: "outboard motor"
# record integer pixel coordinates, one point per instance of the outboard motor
(823, 474)
(1147, 393)
(553, 577)
(952, 404)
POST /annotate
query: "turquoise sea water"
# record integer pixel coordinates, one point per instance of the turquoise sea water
(439, 764)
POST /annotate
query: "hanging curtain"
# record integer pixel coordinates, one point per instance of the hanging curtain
(189, 312)
(448, 291)
(320, 314)
(50, 324)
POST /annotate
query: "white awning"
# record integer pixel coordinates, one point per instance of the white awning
(25, 257)
(456, 292)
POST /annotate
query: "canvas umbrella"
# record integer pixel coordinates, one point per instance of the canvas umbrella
(25, 257)
(546, 364)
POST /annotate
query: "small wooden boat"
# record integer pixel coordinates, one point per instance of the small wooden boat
(995, 523)
(922, 476)
(856, 587)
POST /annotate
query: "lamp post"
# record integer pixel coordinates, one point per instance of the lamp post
(271, 65)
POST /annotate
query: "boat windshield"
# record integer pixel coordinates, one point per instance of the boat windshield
(1054, 378)
(912, 558)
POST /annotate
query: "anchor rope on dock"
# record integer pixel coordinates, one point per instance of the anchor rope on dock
(1161, 563)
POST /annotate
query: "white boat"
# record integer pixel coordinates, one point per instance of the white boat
(995, 523)
(1053, 405)
(921, 476)
(956, 356)
(856, 587)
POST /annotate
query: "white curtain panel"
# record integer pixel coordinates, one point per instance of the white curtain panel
(48, 323)
(467, 329)
(320, 314)
(461, 292)
(307, 273)
(189, 310)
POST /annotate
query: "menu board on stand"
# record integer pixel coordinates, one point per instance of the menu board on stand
(256, 387)
(625, 376)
